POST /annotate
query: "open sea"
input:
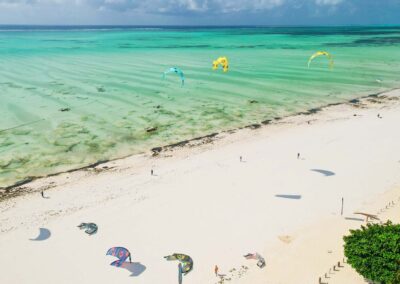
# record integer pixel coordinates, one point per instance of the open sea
(72, 96)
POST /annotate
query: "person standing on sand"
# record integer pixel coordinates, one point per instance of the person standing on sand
(241, 159)
(216, 270)
(42, 193)
(298, 155)
(152, 172)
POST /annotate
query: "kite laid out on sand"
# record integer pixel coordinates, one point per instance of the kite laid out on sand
(90, 228)
(223, 61)
(256, 256)
(121, 253)
(368, 216)
(321, 53)
(185, 264)
(176, 71)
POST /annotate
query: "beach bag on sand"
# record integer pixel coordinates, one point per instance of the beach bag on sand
(261, 263)
(256, 256)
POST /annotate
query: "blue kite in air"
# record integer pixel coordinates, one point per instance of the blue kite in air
(177, 71)
(121, 253)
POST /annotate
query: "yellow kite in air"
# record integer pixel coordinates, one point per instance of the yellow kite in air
(223, 61)
(319, 53)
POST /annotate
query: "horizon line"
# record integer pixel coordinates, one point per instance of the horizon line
(204, 26)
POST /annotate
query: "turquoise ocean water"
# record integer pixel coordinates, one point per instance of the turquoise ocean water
(108, 81)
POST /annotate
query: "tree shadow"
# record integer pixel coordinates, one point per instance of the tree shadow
(44, 234)
(136, 268)
(289, 196)
(324, 172)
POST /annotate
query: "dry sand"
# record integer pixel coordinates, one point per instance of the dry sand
(204, 202)
(315, 250)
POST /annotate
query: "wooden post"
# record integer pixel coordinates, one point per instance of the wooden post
(341, 212)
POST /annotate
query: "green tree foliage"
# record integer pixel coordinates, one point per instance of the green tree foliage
(398, 276)
(374, 252)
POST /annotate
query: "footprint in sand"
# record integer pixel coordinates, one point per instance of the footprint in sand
(286, 239)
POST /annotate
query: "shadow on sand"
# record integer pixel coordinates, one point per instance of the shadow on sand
(44, 234)
(289, 196)
(354, 219)
(136, 268)
(324, 172)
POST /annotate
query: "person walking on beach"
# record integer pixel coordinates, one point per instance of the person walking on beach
(298, 155)
(241, 159)
(42, 193)
(152, 172)
(216, 270)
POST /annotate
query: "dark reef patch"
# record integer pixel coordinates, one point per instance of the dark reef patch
(373, 41)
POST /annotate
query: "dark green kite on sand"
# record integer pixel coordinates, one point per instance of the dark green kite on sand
(185, 264)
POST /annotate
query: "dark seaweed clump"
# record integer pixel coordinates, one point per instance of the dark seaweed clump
(374, 41)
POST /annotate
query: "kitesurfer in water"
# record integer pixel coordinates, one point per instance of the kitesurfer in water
(177, 71)
(223, 61)
(321, 53)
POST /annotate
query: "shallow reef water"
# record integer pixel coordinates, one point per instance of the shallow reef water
(72, 97)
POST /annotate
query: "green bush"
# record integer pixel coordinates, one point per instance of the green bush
(374, 252)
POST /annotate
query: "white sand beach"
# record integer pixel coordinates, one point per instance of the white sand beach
(202, 201)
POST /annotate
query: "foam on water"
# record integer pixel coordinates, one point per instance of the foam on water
(69, 98)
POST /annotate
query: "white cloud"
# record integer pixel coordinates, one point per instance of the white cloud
(328, 2)
(243, 5)
(161, 6)
(178, 6)
(34, 2)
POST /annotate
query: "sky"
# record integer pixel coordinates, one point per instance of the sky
(200, 12)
